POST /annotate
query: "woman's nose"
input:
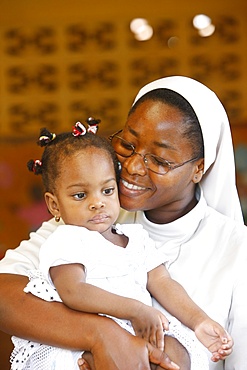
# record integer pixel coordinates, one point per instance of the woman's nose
(96, 205)
(135, 165)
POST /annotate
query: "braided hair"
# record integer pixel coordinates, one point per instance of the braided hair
(59, 147)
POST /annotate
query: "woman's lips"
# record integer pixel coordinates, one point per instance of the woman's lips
(132, 186)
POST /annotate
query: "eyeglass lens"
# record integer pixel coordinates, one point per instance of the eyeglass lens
(152, 162)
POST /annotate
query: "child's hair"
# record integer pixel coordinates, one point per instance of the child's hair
(61, 146)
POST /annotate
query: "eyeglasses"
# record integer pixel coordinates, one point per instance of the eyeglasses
(152, 162)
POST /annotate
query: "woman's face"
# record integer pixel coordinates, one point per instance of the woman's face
(156, 128)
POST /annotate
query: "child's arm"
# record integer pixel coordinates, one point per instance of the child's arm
(69, 281)
(172, 296)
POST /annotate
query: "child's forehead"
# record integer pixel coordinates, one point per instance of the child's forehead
(88, 151)
(90, 159)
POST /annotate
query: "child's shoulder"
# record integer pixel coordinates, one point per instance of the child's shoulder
(127, 229)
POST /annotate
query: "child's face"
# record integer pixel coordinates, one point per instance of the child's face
(87, 193)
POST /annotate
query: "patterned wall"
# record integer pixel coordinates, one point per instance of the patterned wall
(58, 67)
(55, 74)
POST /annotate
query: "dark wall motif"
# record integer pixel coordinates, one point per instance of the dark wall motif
(54, 75)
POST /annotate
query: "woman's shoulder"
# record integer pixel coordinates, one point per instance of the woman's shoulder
(224, 226)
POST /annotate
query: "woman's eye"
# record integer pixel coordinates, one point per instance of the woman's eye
(79, 196)
(108, 191)
(127, 146)
(159, 161)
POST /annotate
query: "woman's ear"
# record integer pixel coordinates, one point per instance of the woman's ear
(52, 204)
(199, 171)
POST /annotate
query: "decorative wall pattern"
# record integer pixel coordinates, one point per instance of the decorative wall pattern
(53, 75)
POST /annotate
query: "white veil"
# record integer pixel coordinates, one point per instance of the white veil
(218, 182)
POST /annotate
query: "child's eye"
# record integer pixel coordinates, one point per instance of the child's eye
(108, 191)
(79, 196)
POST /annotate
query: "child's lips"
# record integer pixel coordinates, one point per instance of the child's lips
(100, 218)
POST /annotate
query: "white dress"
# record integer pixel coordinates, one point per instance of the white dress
(122, 271)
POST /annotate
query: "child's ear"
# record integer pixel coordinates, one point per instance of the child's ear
(52, 204)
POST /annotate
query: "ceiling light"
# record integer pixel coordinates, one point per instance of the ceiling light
(141, 29)
(207, 31)
(201, 21)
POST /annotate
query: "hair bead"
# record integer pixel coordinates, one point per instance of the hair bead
(45, 137)
(93, 125)
(79, 129)
(35, 166)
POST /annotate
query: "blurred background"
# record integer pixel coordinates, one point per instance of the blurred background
(65, 60)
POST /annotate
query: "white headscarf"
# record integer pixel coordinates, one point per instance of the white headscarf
(218, 182)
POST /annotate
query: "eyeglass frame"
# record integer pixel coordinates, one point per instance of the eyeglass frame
(111, 137)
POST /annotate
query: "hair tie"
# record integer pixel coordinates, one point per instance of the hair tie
(45, 137)
(93, 125)
(79, 129)
(35, 166)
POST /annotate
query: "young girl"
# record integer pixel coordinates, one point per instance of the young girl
(95, 266)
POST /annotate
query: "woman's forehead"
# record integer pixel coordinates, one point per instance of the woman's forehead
(153, 116)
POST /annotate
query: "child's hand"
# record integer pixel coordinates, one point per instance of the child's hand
(215, 338)
(149, 323)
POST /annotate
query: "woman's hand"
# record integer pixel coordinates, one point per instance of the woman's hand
(137, 355)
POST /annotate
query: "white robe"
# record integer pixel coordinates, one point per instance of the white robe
(207, 255)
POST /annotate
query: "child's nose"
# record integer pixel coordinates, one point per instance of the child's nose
(96, 205)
